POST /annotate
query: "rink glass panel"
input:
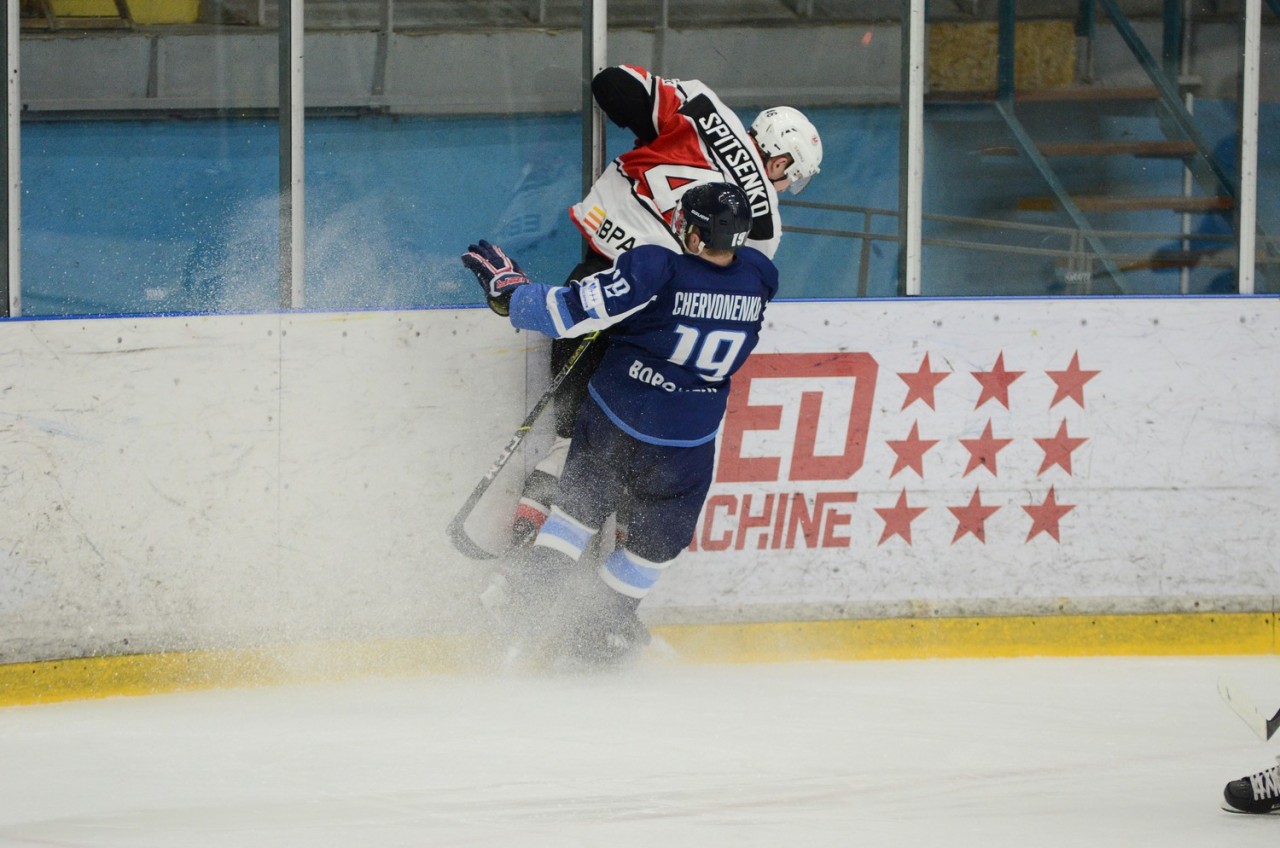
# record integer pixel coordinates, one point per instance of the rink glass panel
(172, 206)
(993, 221)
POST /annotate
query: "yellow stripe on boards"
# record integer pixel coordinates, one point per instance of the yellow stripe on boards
(949, 638)
(861, 639)
(151, 674)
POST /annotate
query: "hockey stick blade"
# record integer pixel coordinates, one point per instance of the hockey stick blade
(457, 530)
(465, 544)
(1242, 706)
(457, 527)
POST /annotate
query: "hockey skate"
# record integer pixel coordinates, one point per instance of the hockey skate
(605, 633)
(521, 599)
(505, 617)
(518, 626)
(495, 599)
(1259, 793)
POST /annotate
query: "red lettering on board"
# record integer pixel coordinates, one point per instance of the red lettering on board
(743, 417)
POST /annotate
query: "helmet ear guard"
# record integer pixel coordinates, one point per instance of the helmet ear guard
(783, 131)
(720, 212)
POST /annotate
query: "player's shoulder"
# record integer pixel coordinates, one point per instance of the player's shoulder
(754, 256)
(650, 253)
(757, 259)
(647, 260)
(761, 265)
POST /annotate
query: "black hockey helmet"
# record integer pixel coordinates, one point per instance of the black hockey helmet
(720, 212)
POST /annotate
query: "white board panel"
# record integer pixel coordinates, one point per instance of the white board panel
(1049, 449)
(188, 482)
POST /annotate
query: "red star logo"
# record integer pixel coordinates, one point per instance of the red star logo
(898, 518)
(1071, 382)
(910, 451)
(983, 450)
(972, 518)
(1057, 451)
(1045, 517)
(995, 383)
(921, 383)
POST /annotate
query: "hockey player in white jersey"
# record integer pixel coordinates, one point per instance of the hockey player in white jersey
(685, 136)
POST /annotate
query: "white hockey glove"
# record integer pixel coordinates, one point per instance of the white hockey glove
(497, 274)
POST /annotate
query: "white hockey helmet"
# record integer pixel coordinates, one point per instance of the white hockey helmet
(783, 130)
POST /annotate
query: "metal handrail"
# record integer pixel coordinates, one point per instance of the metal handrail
(993, 223)
(1122, 261)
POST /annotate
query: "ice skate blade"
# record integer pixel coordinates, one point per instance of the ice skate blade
(1230, 809)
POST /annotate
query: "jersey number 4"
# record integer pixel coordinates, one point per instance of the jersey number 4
(713, 353)
(667, 183)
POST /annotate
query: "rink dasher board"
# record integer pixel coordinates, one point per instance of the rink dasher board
(186, 483)
(1061, 452)
(840, 640)
(180, 484)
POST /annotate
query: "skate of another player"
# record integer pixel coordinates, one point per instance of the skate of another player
(1109, 753)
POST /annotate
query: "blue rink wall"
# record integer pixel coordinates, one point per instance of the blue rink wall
(182, 216)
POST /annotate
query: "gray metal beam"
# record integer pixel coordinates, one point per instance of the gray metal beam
(1247, 200)
(594, 58)
(292, 232)
(10, 287)
(383, 54)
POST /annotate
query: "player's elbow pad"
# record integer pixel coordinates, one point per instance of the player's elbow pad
(625, 100)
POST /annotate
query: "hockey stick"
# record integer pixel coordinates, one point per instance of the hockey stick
(457, 527)
(1264, 727)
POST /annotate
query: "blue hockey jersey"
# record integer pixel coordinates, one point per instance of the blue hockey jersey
(681, 327)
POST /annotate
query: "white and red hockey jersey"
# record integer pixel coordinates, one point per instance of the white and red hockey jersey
(685, 136)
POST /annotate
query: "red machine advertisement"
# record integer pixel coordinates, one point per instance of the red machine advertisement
(810, 454)
(993, 455)
(835, 450)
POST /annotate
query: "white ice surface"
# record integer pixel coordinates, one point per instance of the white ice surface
(1085, 753)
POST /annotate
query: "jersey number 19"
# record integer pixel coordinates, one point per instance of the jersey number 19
(713, 354)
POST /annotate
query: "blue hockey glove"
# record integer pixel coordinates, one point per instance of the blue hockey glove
(497, 274)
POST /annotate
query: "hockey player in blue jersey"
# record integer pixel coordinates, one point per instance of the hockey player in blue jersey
(682, 324)
(684, 135)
